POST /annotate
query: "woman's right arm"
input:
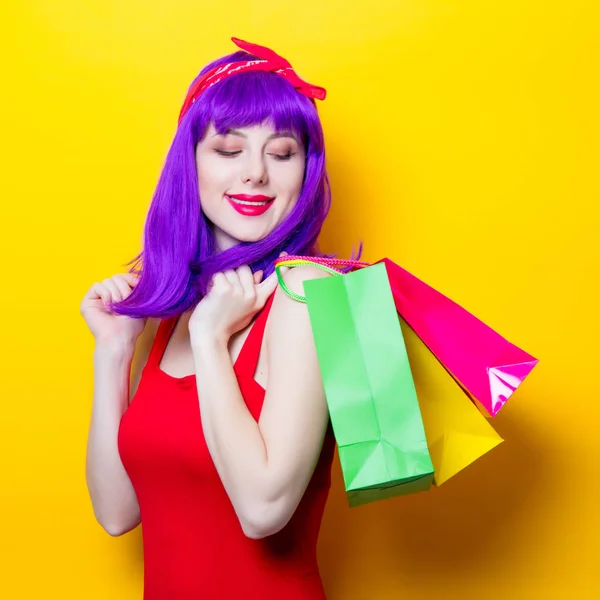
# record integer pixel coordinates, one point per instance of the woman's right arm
(113, 498)
(122, 347)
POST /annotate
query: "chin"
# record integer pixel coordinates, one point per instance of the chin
(252, 236)
(244, 234)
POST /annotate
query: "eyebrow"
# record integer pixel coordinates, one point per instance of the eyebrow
(281, 134)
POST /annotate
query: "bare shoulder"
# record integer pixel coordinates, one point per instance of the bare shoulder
(142, 352)
(289, 313)
(295, 278)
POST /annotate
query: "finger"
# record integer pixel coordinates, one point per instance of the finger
(123, 284)
(258, 276)
(92, 293)
(219, 281)
(98, 291)
(246, 278)
(132, 278)
(233, 279)
(267, 287)
(113, 289)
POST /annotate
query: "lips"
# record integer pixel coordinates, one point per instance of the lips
(251, 198)
(250, 205)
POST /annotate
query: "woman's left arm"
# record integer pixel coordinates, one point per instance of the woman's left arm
(265, 467)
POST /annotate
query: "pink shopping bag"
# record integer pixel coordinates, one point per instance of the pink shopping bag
(488, 367)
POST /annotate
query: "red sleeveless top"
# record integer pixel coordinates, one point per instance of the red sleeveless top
(194, 546)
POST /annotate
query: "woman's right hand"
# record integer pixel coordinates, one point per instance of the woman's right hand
(106, 326)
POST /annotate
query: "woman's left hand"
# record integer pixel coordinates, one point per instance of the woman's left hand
(234, 297)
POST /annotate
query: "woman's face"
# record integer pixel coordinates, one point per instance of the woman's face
(249, 180)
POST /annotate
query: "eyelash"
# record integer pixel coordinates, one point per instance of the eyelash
(278, 157)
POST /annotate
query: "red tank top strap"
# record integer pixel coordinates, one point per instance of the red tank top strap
(163, 333)
(247, 360)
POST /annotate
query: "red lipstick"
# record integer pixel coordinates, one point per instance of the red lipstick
(250, 205)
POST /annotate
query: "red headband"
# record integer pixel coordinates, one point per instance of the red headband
(269, 61)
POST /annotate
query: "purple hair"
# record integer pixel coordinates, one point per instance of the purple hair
(179, 256)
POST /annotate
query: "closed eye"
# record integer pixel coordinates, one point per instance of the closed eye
(283, 156)
(225, 153)
(279, 157)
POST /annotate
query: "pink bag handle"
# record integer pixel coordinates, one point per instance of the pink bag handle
(332, 263)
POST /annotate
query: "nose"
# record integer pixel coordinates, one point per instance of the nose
(255, 171)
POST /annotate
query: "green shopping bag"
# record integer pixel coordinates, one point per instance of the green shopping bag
(368, 383)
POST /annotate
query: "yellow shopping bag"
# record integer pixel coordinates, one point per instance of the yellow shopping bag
(456, 431)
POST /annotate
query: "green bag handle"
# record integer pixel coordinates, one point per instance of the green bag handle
(321, 263)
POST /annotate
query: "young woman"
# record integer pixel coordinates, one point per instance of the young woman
(218, 439)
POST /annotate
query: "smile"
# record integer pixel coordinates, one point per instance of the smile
(250, 206)
(250, 203)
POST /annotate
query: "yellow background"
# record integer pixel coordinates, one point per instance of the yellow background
(463, 143)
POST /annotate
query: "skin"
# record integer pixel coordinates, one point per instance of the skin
(265, 466)
(251, 160)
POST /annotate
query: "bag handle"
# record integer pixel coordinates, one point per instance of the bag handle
(326, 264)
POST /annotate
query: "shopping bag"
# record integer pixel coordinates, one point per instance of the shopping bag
(457, 433)
(488, 367)
(368, 385)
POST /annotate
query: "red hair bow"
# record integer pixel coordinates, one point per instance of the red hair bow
(269, 61)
